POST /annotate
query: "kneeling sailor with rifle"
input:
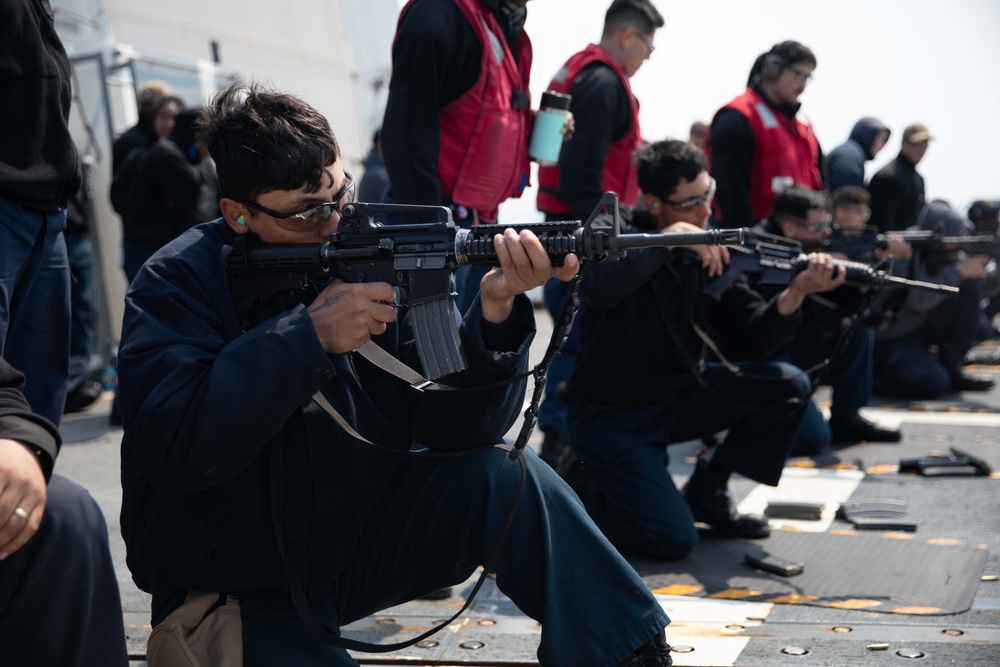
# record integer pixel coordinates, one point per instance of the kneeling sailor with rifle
(641, 381)
(267, 459)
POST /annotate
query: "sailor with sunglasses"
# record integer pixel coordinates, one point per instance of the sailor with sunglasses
(238, 481)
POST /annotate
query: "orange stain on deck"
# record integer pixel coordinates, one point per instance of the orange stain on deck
(734, 594)
(855, 603)
(678, 589)
(793, 598)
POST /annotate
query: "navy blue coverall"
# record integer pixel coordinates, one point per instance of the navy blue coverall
(635, 390)
(204, 392)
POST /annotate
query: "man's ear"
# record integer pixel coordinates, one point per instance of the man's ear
(626, 39)
(651, 203)
(787, 228)
(654, 205)
(235, 214)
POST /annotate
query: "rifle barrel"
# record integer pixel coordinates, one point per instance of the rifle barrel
(862, 274)
(727, 237)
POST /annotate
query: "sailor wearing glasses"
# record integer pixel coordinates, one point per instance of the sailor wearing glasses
(597, 159)
(758, 144)
(641, 382)
(236, 481)
(838, 350)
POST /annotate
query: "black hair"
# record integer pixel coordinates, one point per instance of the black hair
(785, 54)
(795, 202)
(638, 14)
(662, 165)
(262, 140)
(850, 195)
(170, 99)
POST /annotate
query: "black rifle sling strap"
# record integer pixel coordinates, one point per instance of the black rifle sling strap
(299, 600)
(694, 363)
(559, 335)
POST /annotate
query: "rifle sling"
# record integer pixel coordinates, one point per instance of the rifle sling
(379, 358)
(693, 364)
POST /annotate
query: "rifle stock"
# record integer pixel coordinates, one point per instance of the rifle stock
(421, 258)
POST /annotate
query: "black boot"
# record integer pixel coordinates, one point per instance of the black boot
(654, 653)
(707, 496)
(856, 428)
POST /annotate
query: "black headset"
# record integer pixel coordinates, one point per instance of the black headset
(774, 64)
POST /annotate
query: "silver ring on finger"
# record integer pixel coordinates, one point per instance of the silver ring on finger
(21, 513)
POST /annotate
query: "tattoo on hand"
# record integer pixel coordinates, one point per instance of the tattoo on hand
(328, 301)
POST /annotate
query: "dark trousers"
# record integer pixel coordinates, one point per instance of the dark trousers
(906, 367)
(59, 598)
(850, 376)
(439, 522)
(80, 254)
(624, 449)
(552, 412)
(34, 304)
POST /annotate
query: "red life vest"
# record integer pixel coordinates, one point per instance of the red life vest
(786, 151)
(618, 174)
(483, 155)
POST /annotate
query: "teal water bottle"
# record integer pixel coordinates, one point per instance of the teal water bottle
(547, 137)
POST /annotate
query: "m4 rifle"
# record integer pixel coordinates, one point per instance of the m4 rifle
(862, 245)
(767, 259)
(420, 260)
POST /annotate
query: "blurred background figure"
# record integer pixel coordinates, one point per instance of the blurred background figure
(141, 133)
(758, 145)
(597, 159)
(920, 355)
(164, 114)
(984, 215)
(171, 193)
(851, 209)
(375, 181)
(696, 135)
(846, 163)
(86, 377)
(897, 189)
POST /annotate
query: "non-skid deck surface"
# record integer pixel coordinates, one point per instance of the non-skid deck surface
(886, 572)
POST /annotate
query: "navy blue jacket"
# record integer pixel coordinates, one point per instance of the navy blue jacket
(627, 355)
(202, 400)
(846, 163)
(897, 191)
